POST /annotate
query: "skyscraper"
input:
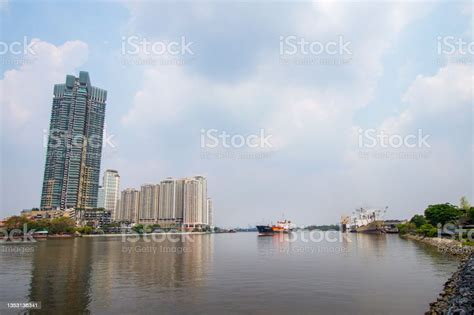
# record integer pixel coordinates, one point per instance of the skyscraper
(72, 169)
(209, 212)
(195, 202)
(111, 184)
(149, 203)
(179, 200)
(167, 199)
(129, 206)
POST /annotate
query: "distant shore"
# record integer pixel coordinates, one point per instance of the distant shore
(144, 234)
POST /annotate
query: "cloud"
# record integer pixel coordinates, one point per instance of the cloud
(308, 109)
(24, 91)
(445, 94)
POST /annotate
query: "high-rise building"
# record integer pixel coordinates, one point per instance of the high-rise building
(129, 206)
(111, 184)
(167, 200)
(149, 203)
(195, 202)
(209, 212)
(179, 200)
(101, 197)
(72, 168)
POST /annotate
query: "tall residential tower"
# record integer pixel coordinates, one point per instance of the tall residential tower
(111, 184)
(72, 170)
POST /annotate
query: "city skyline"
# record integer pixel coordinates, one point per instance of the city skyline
(173, 202)
(394, 75)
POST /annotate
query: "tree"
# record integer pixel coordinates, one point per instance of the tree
(427, 230)
(470, 215)
(442, 213)
(40, 225)
(418, 220)
(138, 228)
(464, 204)
(62, 225)
(406, 228)
(85, 230)
(16, 222)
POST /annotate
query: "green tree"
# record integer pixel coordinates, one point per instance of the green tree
(427, 230)
(442, 213)
(85, 229)
(138, 228)
(418, 220)
(62, 225)
(16, 222)
(470, 215)
(406, 228)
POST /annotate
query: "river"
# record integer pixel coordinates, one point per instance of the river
(225, 273)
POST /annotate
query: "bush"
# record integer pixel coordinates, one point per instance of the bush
(470, 215)
(406, 228)
(427, 230)
(62, 225)
(418, 220)
(138, 228)
(85, 230)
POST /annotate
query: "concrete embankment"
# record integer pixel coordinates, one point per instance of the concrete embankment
(458, 292)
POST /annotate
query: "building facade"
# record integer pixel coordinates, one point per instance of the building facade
(167, 200)
(72, 168)
(129, 206)
(101, 197)
(210, 213)
(149, 203)
(93, 217)
(195, 202)
(111, 184)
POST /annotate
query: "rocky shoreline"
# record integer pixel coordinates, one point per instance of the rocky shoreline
(458, 293)
(443, 245)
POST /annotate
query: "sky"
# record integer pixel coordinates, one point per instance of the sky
(332, 86)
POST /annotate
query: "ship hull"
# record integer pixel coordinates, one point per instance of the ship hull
(375, 227)
(265, 230)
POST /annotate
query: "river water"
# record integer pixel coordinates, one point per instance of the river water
(225, 273)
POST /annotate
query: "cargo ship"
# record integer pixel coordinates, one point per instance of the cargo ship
(281, 227)
(367, 221)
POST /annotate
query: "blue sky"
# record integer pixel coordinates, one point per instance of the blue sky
(394, 81)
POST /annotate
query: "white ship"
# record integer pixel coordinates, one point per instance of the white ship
(367, 221)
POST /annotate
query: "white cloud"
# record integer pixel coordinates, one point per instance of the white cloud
(26, 92)
(445, 93)
(309, 110)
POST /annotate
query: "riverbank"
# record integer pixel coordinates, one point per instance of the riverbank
(457, 296)
(443, 245)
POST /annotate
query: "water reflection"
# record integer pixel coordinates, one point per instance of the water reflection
(60, 276)
(67, 275)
